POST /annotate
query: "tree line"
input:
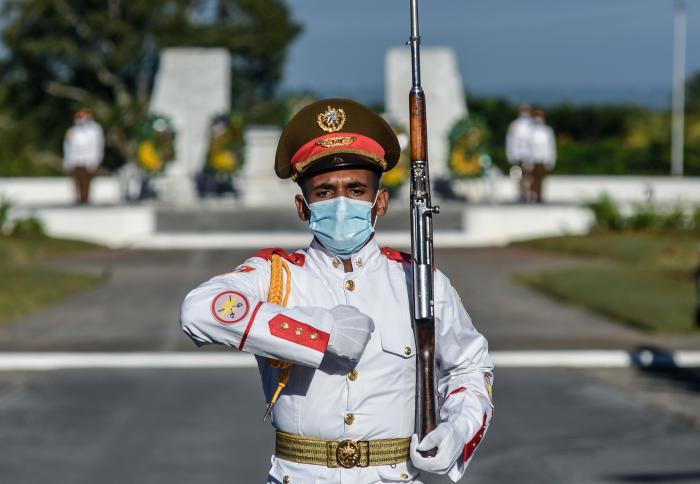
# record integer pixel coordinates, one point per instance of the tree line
(621, 139)
(61, 55)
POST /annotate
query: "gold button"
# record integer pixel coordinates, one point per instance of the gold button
(314, 336)
(353, 375)
(407, 350)
(404, 475)
(350, 285)
(358, 262)
(286, 480)
(336, 263)
(284, 326)
(297, 331)
(349, 419)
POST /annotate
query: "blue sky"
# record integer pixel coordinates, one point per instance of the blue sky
(617, 49)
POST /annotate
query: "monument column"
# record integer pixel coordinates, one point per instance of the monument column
(444, 97)
(192, 86)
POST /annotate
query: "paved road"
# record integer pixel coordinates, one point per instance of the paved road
(202, 426)
(138, 308)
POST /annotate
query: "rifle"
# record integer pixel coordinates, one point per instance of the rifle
(422, 212)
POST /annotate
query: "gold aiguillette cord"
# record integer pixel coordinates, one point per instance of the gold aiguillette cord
(280, 289)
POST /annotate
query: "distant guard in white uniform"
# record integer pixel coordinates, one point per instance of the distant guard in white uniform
(331, 327)
(519, 148)
(83, 150)
(544, 154)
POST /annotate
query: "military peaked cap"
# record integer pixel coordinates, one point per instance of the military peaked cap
(332, 134)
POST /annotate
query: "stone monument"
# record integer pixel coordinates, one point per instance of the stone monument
(444, 93)
(192, 85)
(257, 181)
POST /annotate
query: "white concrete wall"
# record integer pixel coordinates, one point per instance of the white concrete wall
(110, 226)
(57, 190)
(258, 174)
(622, 188)
(499, 225)
(581, 189)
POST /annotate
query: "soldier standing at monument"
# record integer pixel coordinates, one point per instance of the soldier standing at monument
(519, 148)
(83, 150)
(544, 154)
(331, 325)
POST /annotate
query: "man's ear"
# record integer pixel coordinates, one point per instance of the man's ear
(302, 209)
(382, 205)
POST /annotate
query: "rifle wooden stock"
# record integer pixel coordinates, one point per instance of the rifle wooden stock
(426, 417)
(418, 125)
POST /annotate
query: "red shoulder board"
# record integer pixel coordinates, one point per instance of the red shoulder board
(396, 255)
(295, 258)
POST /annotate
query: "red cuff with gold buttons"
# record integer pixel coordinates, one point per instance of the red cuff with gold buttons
(300, 333)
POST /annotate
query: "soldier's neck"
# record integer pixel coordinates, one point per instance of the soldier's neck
(347, 265)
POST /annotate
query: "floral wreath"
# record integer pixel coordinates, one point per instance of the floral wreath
(226, 144)
(156, 145)
(397, 176)
(468, 148)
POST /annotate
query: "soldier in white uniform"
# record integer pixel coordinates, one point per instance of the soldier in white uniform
(331, 326)
(83, 150)
(544, 154)
(519, 148)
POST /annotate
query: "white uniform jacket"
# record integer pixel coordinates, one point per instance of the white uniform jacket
(322, 399)
(519, 141)
(544, 145)
(83, 145)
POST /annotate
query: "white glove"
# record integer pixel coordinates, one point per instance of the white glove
(350, 332)
(449, 444)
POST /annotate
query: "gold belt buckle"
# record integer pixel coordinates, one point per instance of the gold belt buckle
(348, 454)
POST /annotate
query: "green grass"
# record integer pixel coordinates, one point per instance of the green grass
(26, 284)
(643, 279)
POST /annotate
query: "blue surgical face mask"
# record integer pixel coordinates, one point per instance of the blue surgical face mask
(342, 225)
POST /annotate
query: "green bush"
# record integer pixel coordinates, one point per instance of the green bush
(28, 227)
(676, 219)
(607, 214)
(696, 218)
(4, 214)
(644, 217)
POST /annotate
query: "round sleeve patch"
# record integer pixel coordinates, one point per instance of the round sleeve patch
(230, 307)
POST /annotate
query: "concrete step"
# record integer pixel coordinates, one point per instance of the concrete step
(282, 219)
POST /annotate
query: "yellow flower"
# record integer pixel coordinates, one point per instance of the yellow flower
(462, 164)
(149, 157)
(396, 176)
(223, 160)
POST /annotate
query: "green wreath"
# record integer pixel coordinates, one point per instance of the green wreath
(469, 141)
(156, 143)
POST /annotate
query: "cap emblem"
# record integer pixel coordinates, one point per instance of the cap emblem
(335, 141)
(331, 120)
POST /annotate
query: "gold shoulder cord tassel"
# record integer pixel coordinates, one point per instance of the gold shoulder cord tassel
(280, 289)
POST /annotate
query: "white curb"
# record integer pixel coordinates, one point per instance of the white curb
(42, 361)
